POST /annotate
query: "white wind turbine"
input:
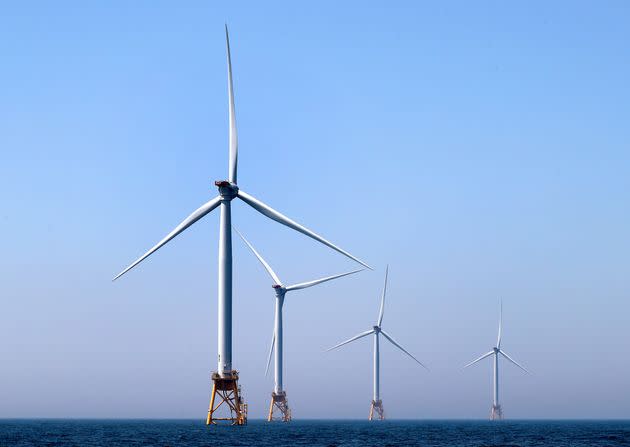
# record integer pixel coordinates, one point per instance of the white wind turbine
(278, 397)
(377, 404)
(496, 412)
(228, 190)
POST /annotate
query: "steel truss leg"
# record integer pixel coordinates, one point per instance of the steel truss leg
(225, 390)
(280, 404)
(377, 407)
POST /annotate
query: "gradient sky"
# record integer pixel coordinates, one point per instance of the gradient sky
(479, 148)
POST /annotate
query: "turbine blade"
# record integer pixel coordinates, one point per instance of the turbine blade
(500, 324)
(356, 337)
(194, 217)
(479, 359)
(273, 343)
(260, 258)
(275, 215)
(402, 349)
(232, 117)
(513, 361)
(380, 314)
(305, 285)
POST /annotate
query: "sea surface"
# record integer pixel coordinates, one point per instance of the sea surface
(115, 433)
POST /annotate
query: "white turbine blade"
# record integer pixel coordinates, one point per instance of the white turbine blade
(513, 361)
(194, 217)
(500, 324)
(479, 359)
(273, 343)
(275, 215)
(232, 117)
(260, 258)
(356, 337)
(380, 314)
(402, 349)
(304, 285)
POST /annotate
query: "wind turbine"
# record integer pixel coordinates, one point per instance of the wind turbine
(226, 378)
(279, 395)
(497, 413)
(377, 404)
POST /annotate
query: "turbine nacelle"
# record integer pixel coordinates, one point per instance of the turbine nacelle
(495, 350)
(376, 329)
(227, 189)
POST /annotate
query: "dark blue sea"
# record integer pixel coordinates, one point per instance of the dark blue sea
(114, 433)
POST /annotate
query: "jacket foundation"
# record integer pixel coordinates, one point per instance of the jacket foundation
(376, 411)
(496, 414)
(226, 393)
(279, 408)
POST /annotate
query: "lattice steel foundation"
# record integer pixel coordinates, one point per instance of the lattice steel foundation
(376, 411)
(496, 414)
(225, 390)
(279, 408)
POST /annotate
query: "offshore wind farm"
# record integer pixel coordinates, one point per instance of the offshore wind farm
(429, 177)
(226, 390)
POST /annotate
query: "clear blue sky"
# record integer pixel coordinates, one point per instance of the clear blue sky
(479, 148)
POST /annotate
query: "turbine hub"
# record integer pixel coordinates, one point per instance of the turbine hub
(227, 190)
(377, 329)
(495, 349)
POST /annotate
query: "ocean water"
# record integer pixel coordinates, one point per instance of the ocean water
(115, 433)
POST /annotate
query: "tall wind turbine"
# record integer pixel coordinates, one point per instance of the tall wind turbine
(496, 413)
(279, 395)
(225, 380)
(377, 404)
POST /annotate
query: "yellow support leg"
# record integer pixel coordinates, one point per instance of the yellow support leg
(211, 407)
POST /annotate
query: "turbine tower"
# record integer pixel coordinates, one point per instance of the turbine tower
(496, 412)
(225, 379)
(377, 404)
(279, 395)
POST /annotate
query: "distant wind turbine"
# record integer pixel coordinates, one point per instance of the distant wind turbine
(377, 404)
(279, 395)
(497, 413)
(225, 380)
